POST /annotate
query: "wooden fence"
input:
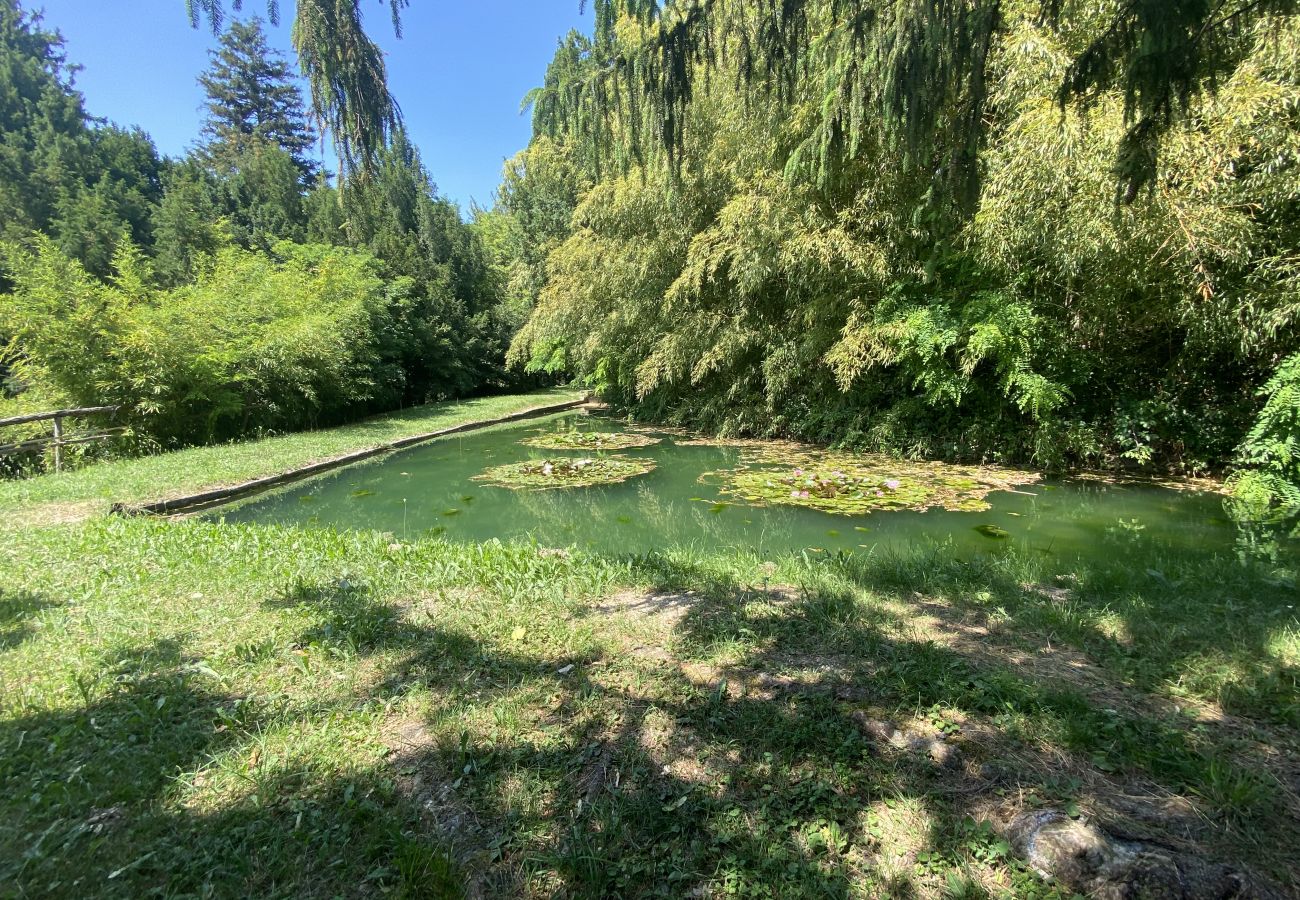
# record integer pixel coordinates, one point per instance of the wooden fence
(56, 439)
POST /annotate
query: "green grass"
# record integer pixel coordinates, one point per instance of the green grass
(92, 489)
(192, 709)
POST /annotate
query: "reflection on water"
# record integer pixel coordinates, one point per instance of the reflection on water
(427, 491)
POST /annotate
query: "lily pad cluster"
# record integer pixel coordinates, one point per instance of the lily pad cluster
(854, 485)
(590, 440)
(549, 474)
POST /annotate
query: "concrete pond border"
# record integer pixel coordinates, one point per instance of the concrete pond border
(220, 496)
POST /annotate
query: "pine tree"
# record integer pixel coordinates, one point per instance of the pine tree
(252, 98)
(42, 121)
(343, 66)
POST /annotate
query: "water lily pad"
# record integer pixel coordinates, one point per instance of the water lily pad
(857, 484)
(993, 531)
(548, 474)
(362, 492)
(590, 440)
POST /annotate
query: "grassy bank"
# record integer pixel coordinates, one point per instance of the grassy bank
(192, 709)
(75, 495)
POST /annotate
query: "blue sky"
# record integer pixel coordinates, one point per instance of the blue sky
(459, 72)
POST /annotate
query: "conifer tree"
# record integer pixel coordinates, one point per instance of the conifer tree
(252, 97)
(188, 225)
(343, 66)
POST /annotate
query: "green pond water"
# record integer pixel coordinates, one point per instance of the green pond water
(427, 491)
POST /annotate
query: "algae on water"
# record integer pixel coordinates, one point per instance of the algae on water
(590, 440)
(856, 484)
(549, 474)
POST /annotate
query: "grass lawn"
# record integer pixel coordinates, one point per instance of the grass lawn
(193, 709)
(84, 492)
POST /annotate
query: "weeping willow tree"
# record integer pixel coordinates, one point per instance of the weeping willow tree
(915, 71)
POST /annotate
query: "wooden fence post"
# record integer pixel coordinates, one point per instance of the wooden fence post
(58, 443)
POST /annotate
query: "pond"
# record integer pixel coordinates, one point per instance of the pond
(676, 492)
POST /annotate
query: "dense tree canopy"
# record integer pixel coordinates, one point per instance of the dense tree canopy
(85, 183)
(913, 71)
(456, 338)
(234, 289)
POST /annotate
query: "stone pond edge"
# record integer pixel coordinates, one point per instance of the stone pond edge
(220, 496)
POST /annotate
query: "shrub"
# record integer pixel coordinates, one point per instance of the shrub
(292, 339)
(1267, 486)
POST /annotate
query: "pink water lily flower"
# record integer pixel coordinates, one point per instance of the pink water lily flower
(893, 484)
(794, 495)
(798, 473)
(803, 495)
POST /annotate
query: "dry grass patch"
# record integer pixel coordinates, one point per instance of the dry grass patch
(43, 515)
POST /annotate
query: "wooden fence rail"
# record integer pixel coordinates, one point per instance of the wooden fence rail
(56, 439)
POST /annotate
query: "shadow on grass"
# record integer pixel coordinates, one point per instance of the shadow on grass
(746, 761)
(17, 609)
(105, 782)
(1020, 736)
(75, 772)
